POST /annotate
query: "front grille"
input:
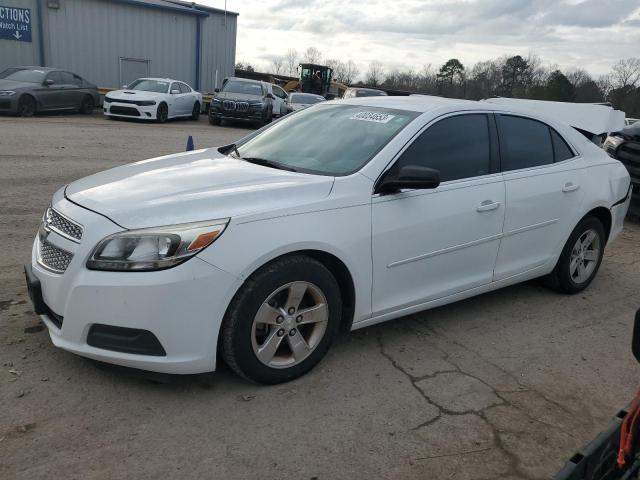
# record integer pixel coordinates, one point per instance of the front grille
(242, 106)
(53, 258)
(228, 105)
(5, 104)
(629, 153)
(140, 103)
(117, 110)
(63, 225)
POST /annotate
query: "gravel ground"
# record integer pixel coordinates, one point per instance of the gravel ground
(505, 385)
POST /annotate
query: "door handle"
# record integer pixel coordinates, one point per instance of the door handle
(487, 205)
(570, 187)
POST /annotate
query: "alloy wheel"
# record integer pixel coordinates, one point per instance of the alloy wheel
(289, 325)
(584, 256)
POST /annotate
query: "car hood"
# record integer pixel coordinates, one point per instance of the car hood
(134, 95)
(192, 187)
(13, 85)
(244, 97)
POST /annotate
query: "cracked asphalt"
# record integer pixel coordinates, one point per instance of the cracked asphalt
(506, 385)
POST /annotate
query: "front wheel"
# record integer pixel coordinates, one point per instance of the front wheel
(282, 321)
(26, 106)
(163, 113)
(580, 258)
(195, 113)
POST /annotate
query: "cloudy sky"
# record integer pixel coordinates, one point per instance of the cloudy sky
(591, 34)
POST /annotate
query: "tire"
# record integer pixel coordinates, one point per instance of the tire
(88, 105)
(162, 113)
(214, 120)
(243, 338)
(26, 106)
(575, 270)
(195, 113)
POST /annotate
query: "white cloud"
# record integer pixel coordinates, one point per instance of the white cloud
(591, 34)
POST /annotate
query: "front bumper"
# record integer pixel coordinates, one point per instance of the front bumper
(129, 110)
(9, 104)
(181, 307)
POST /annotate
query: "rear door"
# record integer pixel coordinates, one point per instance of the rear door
(543, 182)
(72, 93)
(428, 244)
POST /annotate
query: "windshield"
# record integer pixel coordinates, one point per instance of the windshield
(327, 139)
(306, 98)
(247, 88)
(149, 85)
(24, 75)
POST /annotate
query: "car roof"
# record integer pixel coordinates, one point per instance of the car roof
(248, 80)
(161, 79)
(35, 67)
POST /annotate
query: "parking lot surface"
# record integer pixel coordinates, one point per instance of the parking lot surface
(505, 385)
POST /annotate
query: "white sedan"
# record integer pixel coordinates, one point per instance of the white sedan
(344, 215)
(157, 99)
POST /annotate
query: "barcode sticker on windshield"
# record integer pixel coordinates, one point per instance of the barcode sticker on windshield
(372, 117)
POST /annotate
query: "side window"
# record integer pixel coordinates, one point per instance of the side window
(77, 80)
(68, 79)
(174, 86)
(56, 77)
(184, 88)
(278, 92)
(459, 147)
(560, 148)
(525, 143)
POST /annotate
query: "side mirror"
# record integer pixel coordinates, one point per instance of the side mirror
(270, 95)
(125, 86)
(635, 342)
(409, 176)
(216, 90)
(175, 92)
(48, 82)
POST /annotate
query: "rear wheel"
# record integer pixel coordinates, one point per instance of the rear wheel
(162, 113)
(282, 321)
(195, 113)
(87, 106)
(580, 258)
(26, 106)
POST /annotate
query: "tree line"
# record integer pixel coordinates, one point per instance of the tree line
(507, 76)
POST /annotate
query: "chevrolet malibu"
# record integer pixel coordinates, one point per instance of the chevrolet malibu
(337, 217)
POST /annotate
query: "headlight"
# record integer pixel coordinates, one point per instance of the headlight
(154, 248)
(215, 100)
(6, 93)
(108, 100)
(145, 103)
(613, 141)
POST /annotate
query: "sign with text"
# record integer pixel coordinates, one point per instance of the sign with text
(15, 23)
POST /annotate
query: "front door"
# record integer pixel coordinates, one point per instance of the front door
(52, 96)
(428, 244)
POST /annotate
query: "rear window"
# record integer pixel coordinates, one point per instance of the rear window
(370, 93)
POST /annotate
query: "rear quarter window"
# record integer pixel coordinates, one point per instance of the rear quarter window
(524, 143)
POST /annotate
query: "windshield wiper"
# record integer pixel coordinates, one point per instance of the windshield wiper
(268, 163)
(231, 148)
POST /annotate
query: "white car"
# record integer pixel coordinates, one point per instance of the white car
(157, 99)
(344, 215)
(300, 101)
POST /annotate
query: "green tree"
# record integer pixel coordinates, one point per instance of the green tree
(515, 76)
(559, 88)
(451, 70)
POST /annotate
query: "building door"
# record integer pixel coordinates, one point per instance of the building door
(132, 69)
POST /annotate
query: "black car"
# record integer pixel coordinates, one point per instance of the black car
(242, 99)
(27, 90)
(625, 146)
